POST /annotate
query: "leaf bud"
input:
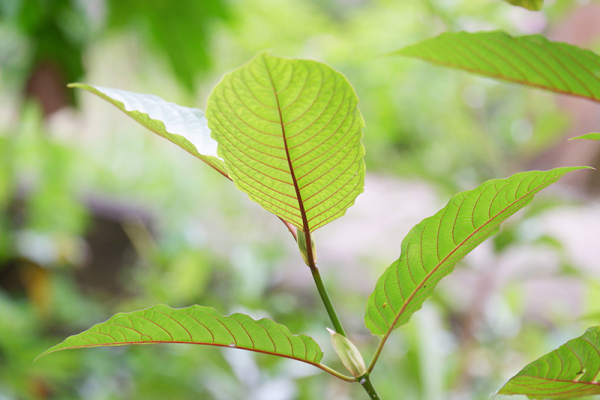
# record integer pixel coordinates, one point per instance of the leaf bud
(302, 246)
(348, 353)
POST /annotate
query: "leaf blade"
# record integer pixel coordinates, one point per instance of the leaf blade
(588, 136)
(572, 370)
(195, 325)
(428, 253)
(531, 5)
(529, 60)
(290, 134)
(186, 127)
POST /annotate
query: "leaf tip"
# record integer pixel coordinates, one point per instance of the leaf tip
(45, 353)
(589, 136)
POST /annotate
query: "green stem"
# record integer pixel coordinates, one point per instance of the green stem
(365, 381)
(337, 325)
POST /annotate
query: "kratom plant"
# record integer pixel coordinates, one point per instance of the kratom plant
(573, 370)
(288, 132)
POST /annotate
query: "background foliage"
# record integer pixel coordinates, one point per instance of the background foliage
(99, 216)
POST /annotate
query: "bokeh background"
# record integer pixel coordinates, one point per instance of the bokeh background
(98, 215)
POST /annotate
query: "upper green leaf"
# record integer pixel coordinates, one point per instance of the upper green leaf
(289, 132)
(196, 325)
(528, 60)
(572, 370)
(533, 5)
(589, 136)
(434, 246)
(184, 126)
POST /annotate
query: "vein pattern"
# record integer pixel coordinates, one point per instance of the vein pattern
(572, 370)
(434, 246)
(196, 325)
(290, 134)
(529, 60)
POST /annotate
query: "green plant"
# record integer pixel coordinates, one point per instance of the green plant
(573, 370)
(288, 133)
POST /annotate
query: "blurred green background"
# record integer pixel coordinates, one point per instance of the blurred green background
(99, 216)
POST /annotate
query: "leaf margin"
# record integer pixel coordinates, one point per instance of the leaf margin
(361, 171)
(576, 380)
(588, 136)
(381, 282)
(155, 125)
(533, 39)
(265, 323)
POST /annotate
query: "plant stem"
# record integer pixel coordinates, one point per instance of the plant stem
(337, 325)
(327, 301)
(365, 381)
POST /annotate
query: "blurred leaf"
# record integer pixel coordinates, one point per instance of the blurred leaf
(434, 246)
(589, 136)
(179, 29)
(504, 239)
(529, 60)
(532, 5)
(289, 132)
(184, 126)
(572, 370)
(196, 325)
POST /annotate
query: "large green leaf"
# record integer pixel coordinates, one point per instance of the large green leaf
(289, 132)
(184, 126)
(434, 246)
(572, 370)
(196, 325)
(588, 136)
(532, 5)
(528, 60)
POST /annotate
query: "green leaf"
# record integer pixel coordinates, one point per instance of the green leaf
(572, 370)
(195, 325)
(434, 246)
(529, 60)
(180, 30)
(589, 136)
(532, 5)
(184, 126)
(289, 132)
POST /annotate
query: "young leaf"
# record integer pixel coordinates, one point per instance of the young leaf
(184, 126)
(529, 60)
(589, 136)
(289, 132)
(434, 246)
(532, 5)
(195, 325)
(572, 370)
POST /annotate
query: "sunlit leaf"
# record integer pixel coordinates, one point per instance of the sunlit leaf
(572, 370)
(434, 246)
(588, 136)
(529, 60)
(289, 132)
(195, 325)
(184, 126)
(533, 5)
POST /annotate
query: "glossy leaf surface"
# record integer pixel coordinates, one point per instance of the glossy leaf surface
(572, 370)
(195, 325)
(434, 246)
(532, 5)
(184, 126)
(588, 136)
(529, 60)
(290, 134)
